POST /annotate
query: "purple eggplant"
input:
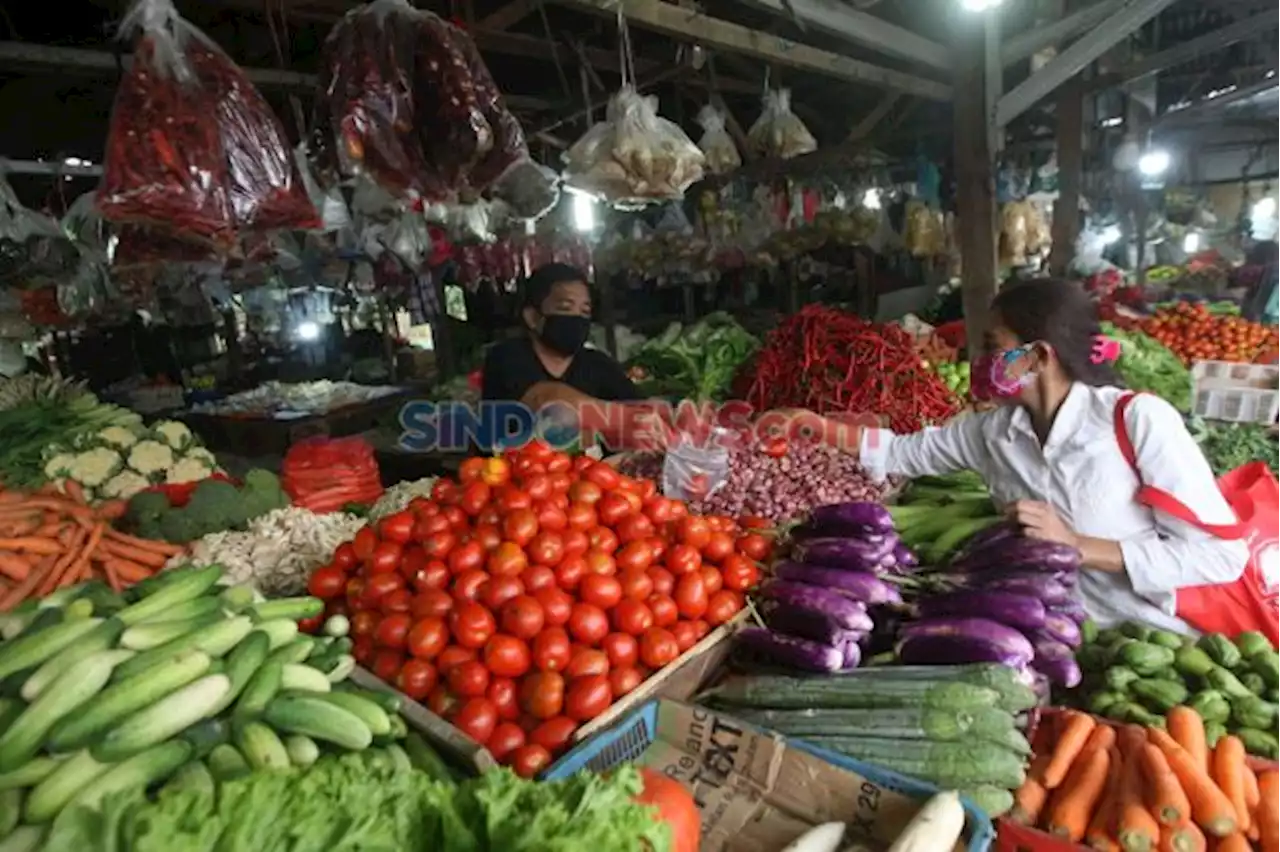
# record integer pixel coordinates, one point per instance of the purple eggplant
(1021, 554)
(852, 654)
(809, 623)
(853, 519)
(1057, 662)
(985, 630)
(818, 602)
(1062, 629)
(792, 651)
(1073, 610)
(956, 650)
(905, 557)
(986, 538)
(857, 585)
(851, 554)
(1046, 588)
(1015, 610)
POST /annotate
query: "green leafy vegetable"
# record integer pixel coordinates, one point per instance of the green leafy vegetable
(1148, 365)
(696, 362)
(1227, 446)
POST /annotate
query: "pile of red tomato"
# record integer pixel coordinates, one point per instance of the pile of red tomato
(522, 599)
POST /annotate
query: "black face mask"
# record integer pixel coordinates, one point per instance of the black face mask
(565, 333)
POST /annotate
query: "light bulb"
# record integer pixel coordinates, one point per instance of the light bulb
(1153, 163)
(1264, 208)
(871, 199)
(307, 330)
(584, 212)
(1191, 243)
(1110, 234)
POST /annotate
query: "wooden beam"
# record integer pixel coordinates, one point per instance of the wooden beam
(869, 121)
(1036, 39)
(506, 17)
(693, 26)
(1070, 151)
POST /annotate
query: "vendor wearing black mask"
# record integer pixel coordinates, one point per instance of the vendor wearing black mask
(551, 362)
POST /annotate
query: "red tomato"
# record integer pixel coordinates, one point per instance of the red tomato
(637, 585)
(603, 475)
(632, 617)
(509, 498)
(664, 582)
(755, 522)
(344, 557)
(434, 602)
(363, 650)
(581, 515)
(412, 560)
(570, 572)
(490, 516)
(442, 702)
(601, 590)
(508, 559)
(575, 542)
(379, 585)
(623, 680)
(355, 592)
(718, 546)
(551, 650)
(363, 624)
(392, 631)
(676, 807)
(537, 577)
(468, 679)
(506, 656)
(428, 525)
(683, 559)
(427, 638)
(740, 574)
(520, 526)
(693, 531)
(505, 739)
(588, 623)
(538, 486)
(551, 518)
(397, 527)
(554, 734)
(588, 696)
(585, 492)
(691, 595)
(635, 554)
(472, 625)
(634, 528)
(452, 656)
(546, 548)
(387, 664)
(496, 591)
(417, 679)
(599, 562)
(386, 557)
(504, 694)
(542, 694)
(400, 600)
(612, 508)
(701, 627)
(476, 718)
(658, 509)
(658, 647)
(473, 498)
(657, 547)
(755, 546)
(557, 606)
(467, 556)
(523, 617)
(466, 586)
(587, 661)
(529, 760)
(723, 606)
(488, 535)
(438, 544)
(457, 518)
(603, 539)
(312, 624)
(665, 611)
(327, 583)
(622, 649)
(364, 543)
(444, 491)
(471, 469)
(712, 579)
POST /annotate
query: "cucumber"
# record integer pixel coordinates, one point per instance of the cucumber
(173, 588)
(20, 742)
(29, 619)
(297, 651)
(342, 669)
(51, 795)
(303, 678)
(194, 776)
(24, 838)
(10, 810)
(302, 750)
(374, 717)
(214, 639)
(100, 638)
(169, 716)
(261, 747)
(305, 714)
(32, 648)
(77, 609)
(426, 759)
(399, 730)
(387, 700)
(281, 631)
(126, 697)
(399, 758)
(237, 598)
(205, 736)
(225, 763)
(948, 765)
(257, 694)
(153, 634)
(10, 708)
(241, 663)
(138, 772)
(294, 609)
(852, 692)
(187, 611)
(907, 723)
(29, 774)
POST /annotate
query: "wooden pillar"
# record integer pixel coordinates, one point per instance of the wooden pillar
(975, 183)
(1066, 210)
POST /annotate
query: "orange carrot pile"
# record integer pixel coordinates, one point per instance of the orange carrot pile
(49, 540)
(1126, 789)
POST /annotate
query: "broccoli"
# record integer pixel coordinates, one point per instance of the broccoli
(180, 526)
(262, 493)
(147, 506)
(215, 505)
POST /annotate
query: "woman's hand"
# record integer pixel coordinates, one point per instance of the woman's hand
(1041, 521)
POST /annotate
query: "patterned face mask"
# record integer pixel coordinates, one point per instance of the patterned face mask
(994, 376)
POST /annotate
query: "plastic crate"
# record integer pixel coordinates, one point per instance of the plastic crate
(1238, 393)
(631, 736)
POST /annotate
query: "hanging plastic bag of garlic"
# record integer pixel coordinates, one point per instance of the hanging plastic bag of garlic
(779, 132)
(634, 156)
(716, 143)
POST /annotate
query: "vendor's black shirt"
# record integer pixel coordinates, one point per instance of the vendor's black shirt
(511, 367)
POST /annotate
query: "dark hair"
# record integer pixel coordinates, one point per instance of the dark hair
(537, 287)
(1060, 313)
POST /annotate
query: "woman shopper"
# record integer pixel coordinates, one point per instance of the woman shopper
(1051, 453)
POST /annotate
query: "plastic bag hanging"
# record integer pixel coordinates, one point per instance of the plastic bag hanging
(34, 251)
(779, 132)
(716, 143)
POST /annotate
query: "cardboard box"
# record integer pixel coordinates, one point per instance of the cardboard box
(758, 791)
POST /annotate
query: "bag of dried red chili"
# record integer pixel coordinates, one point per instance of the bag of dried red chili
(325, 474)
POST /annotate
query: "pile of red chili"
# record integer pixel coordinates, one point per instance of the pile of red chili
(831, 361)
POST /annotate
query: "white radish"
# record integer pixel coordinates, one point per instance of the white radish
(935, 828)
(823, 838)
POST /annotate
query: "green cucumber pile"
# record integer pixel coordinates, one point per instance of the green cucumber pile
(1135, 673)
(178, 678)
(955, 726)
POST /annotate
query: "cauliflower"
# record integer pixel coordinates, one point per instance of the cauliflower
(92, 467)
(118, 436)
(173, 432)
(203, 456)
(124, 484)
(59, 466)
(150, 458)
(189, 470)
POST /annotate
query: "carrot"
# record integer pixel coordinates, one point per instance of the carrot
(1210, 807)
(129, 572)
(1268, 809)
(1162, 792)
(73, 490)
(162, 547)
(1101, 831)
(1028, 801)
(1227, 770)
(1074, 801)
(111, 548)
(1234, 843)
(19, 593)
(1075, 732)
(34, 544)
(53, 578)
(1187, 729)
(1103, 737)
(1131, 739)
(1136, 829)
(112, 509)
(14, 566)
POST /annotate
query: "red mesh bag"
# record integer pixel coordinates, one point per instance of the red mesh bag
(326, 474)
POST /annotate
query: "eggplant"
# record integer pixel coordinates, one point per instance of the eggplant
(955, 650)
(854, 519)
(792, 651)
(1011, 608)
(808, 623)
(851, 554)
(857, 585)
(905, 557)
(986, 538)
(852, 654)
(983, 630)
(1020, 553)
(1057, 662)
(1062, 629)
(819, 603)
(1047, 588)
(1073, 610)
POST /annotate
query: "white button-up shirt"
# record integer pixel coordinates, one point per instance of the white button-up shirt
(1081, 473)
